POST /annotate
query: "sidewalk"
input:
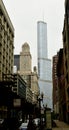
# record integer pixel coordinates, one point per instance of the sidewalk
(61, 125)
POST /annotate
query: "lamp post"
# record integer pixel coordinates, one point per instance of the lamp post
(40, 98)
(48, 119)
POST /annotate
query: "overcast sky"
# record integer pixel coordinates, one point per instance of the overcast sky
(24, 15)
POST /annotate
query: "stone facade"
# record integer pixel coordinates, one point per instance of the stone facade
(25, 59)
(31, 78)
(6, 42)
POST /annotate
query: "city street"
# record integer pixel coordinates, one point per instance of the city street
(61, 125)
(34, 72)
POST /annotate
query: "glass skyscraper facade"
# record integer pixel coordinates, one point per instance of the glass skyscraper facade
(42, 39)
(44, 64)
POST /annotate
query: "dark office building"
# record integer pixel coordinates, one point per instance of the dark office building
(17, 61)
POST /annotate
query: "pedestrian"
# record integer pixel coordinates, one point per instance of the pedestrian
(31, 125)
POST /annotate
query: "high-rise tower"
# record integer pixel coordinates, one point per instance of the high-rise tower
(44, 64)
(25, 59)
(31, 78)
(42, 39)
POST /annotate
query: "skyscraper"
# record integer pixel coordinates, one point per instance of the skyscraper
(31, 78)
(44, 64)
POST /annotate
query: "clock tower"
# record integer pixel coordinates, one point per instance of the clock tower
(25, 59)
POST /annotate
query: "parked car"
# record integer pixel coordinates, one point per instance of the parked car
(36, 121)
(1, 121)
(23, 126)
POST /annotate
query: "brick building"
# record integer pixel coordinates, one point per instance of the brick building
(66, 55)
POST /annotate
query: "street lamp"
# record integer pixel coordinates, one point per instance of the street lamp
(40, 98)
(48, 119)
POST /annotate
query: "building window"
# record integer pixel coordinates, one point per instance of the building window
(67, 78)
(66, 64)
(0, 27)
(68, 16)
(68, 92)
